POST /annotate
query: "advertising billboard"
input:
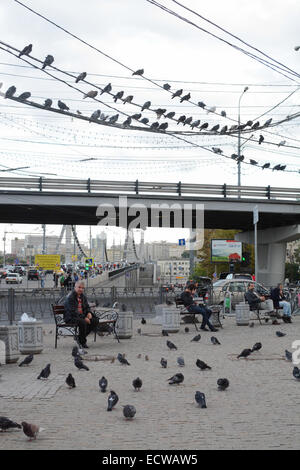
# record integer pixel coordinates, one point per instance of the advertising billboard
(51, 262)
(226, 251)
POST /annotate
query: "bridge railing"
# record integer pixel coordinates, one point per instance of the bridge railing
(142, 187)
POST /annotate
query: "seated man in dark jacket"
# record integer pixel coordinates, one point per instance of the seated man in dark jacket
(279, 300)
(188, 300)
(260, 302)
(77, 310)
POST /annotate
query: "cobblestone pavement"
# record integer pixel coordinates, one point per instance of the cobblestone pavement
(259, 410)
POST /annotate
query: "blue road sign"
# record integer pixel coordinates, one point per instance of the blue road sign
(181, 242)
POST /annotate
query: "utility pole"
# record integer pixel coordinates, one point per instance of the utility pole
(44, 239)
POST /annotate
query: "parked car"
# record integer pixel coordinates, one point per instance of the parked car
(237, 289)
(20, 270)
(13, 278)
(33, 274)
(239, 276)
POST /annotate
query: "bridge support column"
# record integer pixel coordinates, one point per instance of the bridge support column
(271, 251)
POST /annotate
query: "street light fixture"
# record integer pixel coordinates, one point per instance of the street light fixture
(239, 136)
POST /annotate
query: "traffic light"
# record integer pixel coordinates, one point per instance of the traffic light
(245, 258)
(88, 263)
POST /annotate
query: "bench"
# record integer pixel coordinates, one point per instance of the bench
(258, 311)
(71, 329)
(184, 311)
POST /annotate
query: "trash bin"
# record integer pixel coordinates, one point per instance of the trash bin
(242, 314)
(159, 315)
(30, 335)
(9, 345)
(124, 325)
(170, 319)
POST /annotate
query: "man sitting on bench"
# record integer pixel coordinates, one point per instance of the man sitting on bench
(260, 302)
(188, 301)
(77, 311)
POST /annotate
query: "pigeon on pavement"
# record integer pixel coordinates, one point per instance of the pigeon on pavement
(79, 364)
(45, 372)
(164, 363)
(200, 399)
(180, 361)
(129, 411)
(176, 379)
(296, 373)
(31, 430)
(137, 384)
(103, 384)
(6, 423)
(280, 334)
(122, 360)
(196, 338)
(257, 347)
(112, 400)
(288, 355)
(214, 340)
(245, 353)
(171, 345)
(202, 365)
(70, 381)
(27, 360)
(164, 333)
(223, 384)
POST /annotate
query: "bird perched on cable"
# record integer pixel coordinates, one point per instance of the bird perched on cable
(233, 128)
(164, 363)
(267, 123)
(282, 142)
(26, 50)
(48, 103)
(79, 364)
(10, 92)
(81, 76)
(255, 125)
(103, 117)
(261, 139)
(170, 115)
(253, 162)
(62, 106)
(249, 123)
(280, 334)
(200, 399)
(163, 126)
(137, 384)
(195, 123)
(154, 125)
(6, 423)
(28, 360)
(45, 372)
(217, 150)
(288, 355)
(103, 384)
(159, 112)
(70, 381)
(296, 373)
(48, 61)
(223, 113)
(128, 99)
(31, 430)
(129, 411)
(188, 120)
(282, 167)
(223, 384)
(118, 96)
(136, 116)
(138, 72)
(196, 338)
(224, 130)
(144, 121)
(112, 400)
(166, 86)
(96, 115)
(113, 119)
(201, 104)
(24, 96)
(176, 379)
(245, 353)
(277, 167)
(177, 93)
(214, 340)
(146, 105)
(266, 165)
(181, 119)
(127, 122)
(257, 347)
(240, 158)
(106, 89)
(171, 345)
(202, 365)
(185, 98)
(180, 361)
(234, 156)
(204, 126)
(91, 94)
(122, 360)
(215, 128)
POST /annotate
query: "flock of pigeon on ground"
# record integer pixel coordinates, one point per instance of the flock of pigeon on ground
(129, 411)
(97, 116)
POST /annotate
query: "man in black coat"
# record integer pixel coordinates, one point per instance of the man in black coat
(77, 310)
(188, 300)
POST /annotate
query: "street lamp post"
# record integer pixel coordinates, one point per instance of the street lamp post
(239, 137)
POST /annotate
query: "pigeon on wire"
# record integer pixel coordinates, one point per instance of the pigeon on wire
(204, 126)
(106, 89)
(217, 150)
(70, 381)
(201, 104)
(137, 384)
(62, 106)
(224, 130)
(103, 384)
(282, 142)
(10, 92)
(266, 165)
(196, 338)
(181, 119)
(48, 61)
(200, 399)
(26, 50)
(144, 121)
(195, 123)
(170, 115)
(171, 345)
(222, 384)
(27, 360)
(128, 99)
(176, 379)
(138, 72)
(202, 365)
(249, 123)
(223, 113)
(95, 115)
(81, 76)
(159, 112)
(79, 364)
(122, 360)
(166, 86)
(164, 363)
(177, 93)
(146, 105)
(113, 119)
(112, 400)
(24, 96)
(215, 128)
(129, 411)
(253, 162)
(45, 372)
(163, 126)
(136, 116)
(48, 103)
(127, 122)
(240, 158)
(91, 94)
(185, 98)
(118, 96)
(288, 355)
(255, 125)
(267, 123)
(280, 334)
(214, 340)
(188, 121)
(257, 347)
(245, 353)
(296, 373)
(154, 125)
(6, 423)
(261, 139)
(31, 430)
(180, 361)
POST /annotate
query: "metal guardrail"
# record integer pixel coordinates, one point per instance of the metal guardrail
(139, 187)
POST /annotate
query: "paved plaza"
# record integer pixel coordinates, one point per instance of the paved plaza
(259, 410)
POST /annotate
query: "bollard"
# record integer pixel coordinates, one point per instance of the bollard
(11, 305)
(170, 319)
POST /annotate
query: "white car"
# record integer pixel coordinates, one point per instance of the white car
(13, 278)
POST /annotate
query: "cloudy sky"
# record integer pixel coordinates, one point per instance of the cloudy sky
(138, 34)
